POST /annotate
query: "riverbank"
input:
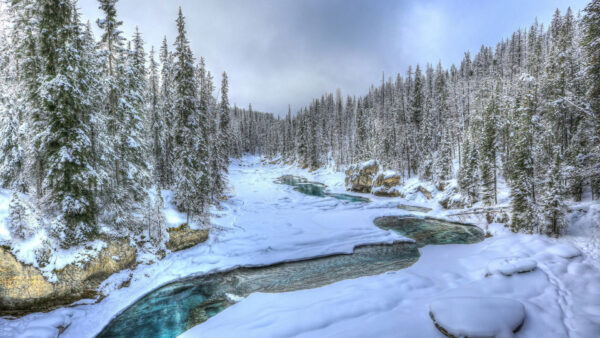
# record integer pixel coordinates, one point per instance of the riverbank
(265, 223)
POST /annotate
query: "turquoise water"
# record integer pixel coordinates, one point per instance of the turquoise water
(304, 186)
(172, 309)
(431, 231)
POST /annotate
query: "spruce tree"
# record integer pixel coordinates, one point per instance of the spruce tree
(553, 204)
(591, 44)
(17, 218)
(156, 123)
(523, 217)
(191, 186)
(66, 150)
(167, 112)
(488, 153)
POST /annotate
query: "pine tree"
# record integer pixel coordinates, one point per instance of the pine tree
(12, 154)
(17, 218)
(554, 208)
(523, 217)
(132, 148)
(66, 150)
(156, 123)
(468, 174)
(591, 44)
(488, 153)
(223, 140)
(191, 186)
(167, 112)
(443, 162)
(112, 52)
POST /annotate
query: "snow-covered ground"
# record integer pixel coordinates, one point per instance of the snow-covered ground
(264, 223)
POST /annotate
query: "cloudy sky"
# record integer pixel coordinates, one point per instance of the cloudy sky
(280, 52)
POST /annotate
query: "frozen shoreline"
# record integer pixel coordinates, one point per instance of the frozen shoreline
(265, 223)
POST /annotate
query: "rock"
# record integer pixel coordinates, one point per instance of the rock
(359, 178)
(23, 288)
(388, 179)
(425, 192)
(477, 316)
(387, 192)
(184, 237)
(452, 198)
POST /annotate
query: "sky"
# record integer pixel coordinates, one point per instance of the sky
(283, 52)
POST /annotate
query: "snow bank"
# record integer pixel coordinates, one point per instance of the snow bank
(264, 223)
(477, 316)
(511, 266)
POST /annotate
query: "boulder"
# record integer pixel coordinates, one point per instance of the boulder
(23, 288)
(359, 178)
(452, 198)
(384, 191)
(388, 179)
(184, 237)
(425, 192)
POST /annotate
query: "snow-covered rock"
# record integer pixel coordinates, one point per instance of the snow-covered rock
(24, 289)
(477, 316)
(184, 237)
(511, 266)
(360, 178)
(564, 250)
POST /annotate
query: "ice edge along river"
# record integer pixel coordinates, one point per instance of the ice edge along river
(265, 223)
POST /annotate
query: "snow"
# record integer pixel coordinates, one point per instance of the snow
(478, 317)
(5, 196)
(173, 217)
(264, 223)
(368, 163)
(510, 266)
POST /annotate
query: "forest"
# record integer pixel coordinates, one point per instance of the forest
(524, 111)
(138, 191)
(93, 129)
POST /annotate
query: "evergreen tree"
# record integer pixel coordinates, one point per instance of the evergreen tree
(591, 44)
(523, 217)
(167, 112)
(11, 151)
(488, 154)
(66, 150)
(554, 208)
(191, 186)
(443, 162)
(17, 218)
(157, 124)
(223, 140)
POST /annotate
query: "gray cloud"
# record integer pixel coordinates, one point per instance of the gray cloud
(280, 52)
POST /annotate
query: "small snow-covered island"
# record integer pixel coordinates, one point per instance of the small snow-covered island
(299, 168)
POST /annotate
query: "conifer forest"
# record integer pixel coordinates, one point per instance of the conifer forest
(135, 190)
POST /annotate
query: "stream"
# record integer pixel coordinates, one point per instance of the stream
(172, 309)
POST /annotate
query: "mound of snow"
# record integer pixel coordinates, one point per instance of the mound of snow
(511, 266)
(477, 317)
(564, 250)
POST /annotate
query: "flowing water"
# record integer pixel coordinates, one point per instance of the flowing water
(304, 186)
(430, 230)
(171, 309)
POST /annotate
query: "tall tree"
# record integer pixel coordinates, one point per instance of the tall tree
(66, 150)
(191, 185)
